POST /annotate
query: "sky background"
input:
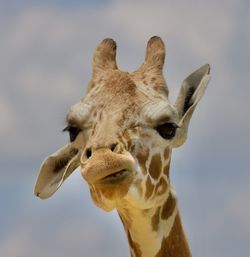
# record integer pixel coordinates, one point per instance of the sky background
(45, 63)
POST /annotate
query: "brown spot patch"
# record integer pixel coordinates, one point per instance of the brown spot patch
(175, 245)
(168, 207)
(142, 157)
(161, 187)
(134, 246)
(155, 167)
(155, 219)
(166, 153)
(166, 169)
(149, 188)
(138, 184)
(157, 87)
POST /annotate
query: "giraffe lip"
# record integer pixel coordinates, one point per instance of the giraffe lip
(115, 177)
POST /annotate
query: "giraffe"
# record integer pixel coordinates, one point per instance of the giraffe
(121, 135)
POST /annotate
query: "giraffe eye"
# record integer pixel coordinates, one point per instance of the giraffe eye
(73, 132)
(167, 130)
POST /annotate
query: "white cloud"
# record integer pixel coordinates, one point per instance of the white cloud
(16, 245)
(7, 114)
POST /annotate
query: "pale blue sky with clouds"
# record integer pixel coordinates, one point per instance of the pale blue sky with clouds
(46, 49)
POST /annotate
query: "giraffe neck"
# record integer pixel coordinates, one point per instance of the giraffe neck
(155, 232)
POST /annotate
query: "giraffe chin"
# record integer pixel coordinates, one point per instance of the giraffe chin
(108, 191)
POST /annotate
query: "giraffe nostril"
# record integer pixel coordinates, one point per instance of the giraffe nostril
(112, 147)
(88, 153)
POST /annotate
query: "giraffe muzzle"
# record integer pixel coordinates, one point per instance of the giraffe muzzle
(107, 167)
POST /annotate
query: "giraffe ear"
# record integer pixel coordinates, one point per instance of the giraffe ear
(55, 169)
(192, 89)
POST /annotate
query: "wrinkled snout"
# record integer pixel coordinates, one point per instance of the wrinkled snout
(107, 167)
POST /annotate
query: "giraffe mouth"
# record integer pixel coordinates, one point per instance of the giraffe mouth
(115, 177)
(106, 167)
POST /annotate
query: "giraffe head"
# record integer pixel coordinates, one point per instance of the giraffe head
(122, 132)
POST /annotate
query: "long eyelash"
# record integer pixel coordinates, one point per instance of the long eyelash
(175, 125)
(69, 127)
(73, 132)
(66, 128)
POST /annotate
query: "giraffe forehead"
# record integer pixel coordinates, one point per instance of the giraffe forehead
(115, 85)
(120, 85)
(138, 106)
(121, 112)
(118, 97)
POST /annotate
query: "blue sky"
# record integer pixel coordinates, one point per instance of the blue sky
(45, 64)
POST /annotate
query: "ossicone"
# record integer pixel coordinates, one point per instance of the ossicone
(155, 54)
(154, 58)
(104, 57)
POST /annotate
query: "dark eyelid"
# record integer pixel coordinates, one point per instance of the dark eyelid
(73, 132)
(69, 126)
(170, 123)
(174, 124)
(65, 129)
(162, 120)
